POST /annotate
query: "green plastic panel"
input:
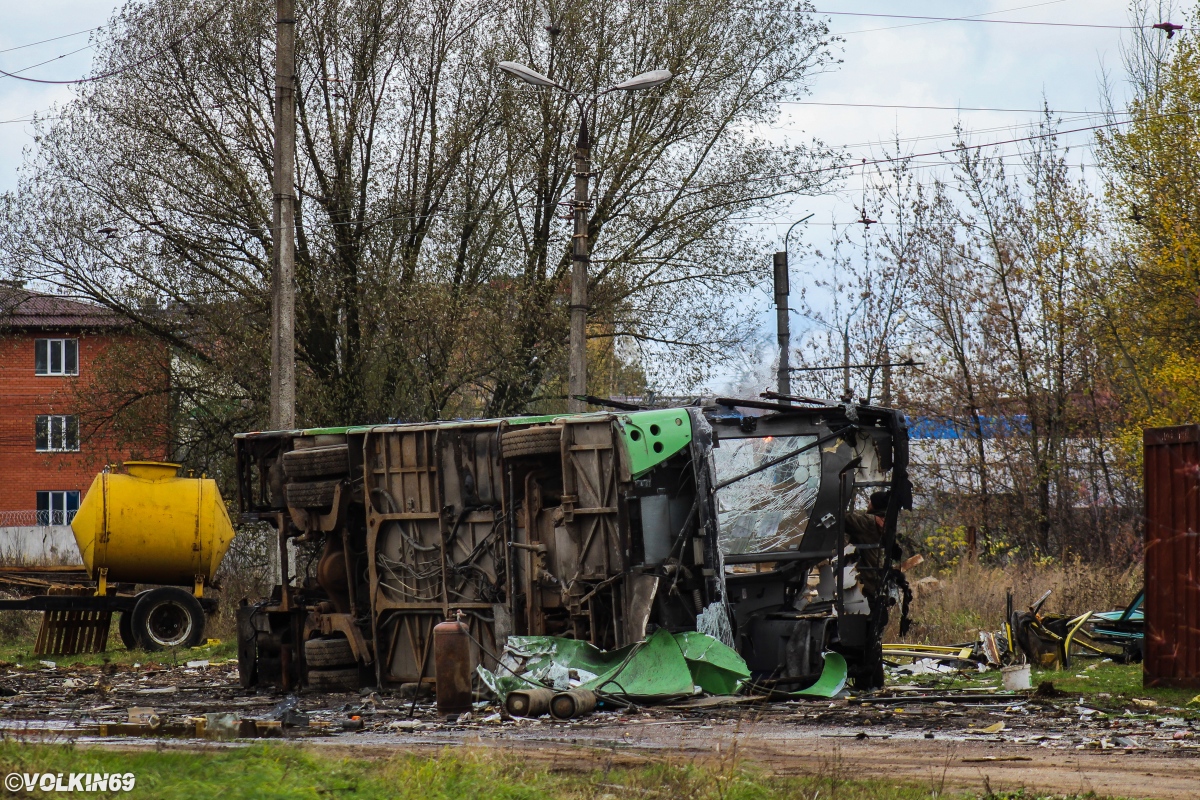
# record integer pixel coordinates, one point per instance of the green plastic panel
(662, 666)
(654, 436)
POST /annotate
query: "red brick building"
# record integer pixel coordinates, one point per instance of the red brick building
(50, 348)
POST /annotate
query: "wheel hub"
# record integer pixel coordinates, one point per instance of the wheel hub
(169, 624)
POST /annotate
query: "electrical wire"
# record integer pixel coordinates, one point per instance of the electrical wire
(24, 119)
(931, 108)
(895, 159)
(16, 72)
(152, 57)
(979, 19)
(52, 39)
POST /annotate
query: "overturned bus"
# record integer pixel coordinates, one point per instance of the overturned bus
(735, 516)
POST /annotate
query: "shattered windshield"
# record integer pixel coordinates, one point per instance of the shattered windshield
(768, 510)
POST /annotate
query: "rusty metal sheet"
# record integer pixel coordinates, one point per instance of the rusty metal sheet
(1172, 493)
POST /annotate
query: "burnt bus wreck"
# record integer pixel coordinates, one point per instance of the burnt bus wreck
(601, 526)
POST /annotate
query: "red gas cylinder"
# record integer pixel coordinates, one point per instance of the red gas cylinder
(452, 666)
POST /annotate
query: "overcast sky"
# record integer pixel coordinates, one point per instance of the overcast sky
(887, 61)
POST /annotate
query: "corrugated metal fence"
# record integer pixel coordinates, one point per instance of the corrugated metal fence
(1172, 483)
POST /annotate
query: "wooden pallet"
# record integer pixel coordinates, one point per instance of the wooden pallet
(70, 633)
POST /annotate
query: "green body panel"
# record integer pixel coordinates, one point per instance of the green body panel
(660, 667)
(651, 437)
(832, 680)
(716, 668)
(351, 429)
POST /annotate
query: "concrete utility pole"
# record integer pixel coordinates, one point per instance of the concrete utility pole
(580, 258)
(847, 395)
(283, 219)
(783, 378)
(580, 251)
(885, 397)
(783, 330)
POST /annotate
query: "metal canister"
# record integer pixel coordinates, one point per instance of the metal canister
(452, 666)
(575, 703)
(533, 702)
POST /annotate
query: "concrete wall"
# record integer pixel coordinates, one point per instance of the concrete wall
(39, 544)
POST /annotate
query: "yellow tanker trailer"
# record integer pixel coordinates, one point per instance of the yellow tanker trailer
(147, 526)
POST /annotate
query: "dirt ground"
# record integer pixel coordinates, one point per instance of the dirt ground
(1047, 744)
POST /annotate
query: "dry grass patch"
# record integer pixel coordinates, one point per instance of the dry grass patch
(970, 597)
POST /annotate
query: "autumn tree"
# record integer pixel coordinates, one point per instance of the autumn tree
(985, 274)
(1150, 299)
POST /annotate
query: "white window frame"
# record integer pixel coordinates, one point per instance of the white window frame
(59, 511)
(61, 433)
(67, 351)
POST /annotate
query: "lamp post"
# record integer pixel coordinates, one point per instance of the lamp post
(580, 250)
(783, 332)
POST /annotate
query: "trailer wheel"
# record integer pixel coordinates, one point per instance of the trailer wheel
(317, 462)
(125, 628)
(537, 441)
(311, 494)
(334, 680)
(325, 653)
(168, 617)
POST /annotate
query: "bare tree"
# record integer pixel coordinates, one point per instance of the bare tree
(994, 265)
(430, 261)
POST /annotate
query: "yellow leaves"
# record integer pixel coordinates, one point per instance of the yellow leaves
(1151, 293)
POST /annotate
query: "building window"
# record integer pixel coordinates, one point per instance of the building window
(56, 357)
(57, 433)
(56, 508)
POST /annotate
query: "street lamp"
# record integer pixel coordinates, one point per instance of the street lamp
(783, 378)
(580, 257)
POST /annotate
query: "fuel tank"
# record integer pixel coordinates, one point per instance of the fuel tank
(150, 526)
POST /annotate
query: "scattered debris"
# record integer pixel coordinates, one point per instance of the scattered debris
(144, 716)
(1016, 678)
(288, 713)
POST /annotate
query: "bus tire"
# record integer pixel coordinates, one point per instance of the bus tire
(536, 441)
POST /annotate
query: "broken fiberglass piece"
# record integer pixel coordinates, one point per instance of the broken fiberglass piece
(833, 678)
(662, 666)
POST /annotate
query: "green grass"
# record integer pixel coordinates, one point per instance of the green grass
(1121, 682)
(285, 771)
(21, 652)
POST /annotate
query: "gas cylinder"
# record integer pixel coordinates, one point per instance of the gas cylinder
(452, 666)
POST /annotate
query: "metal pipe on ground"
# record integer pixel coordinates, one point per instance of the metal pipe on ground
(529, 702)
(575, 703)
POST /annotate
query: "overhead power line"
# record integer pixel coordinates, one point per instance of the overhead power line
(153, 56)
(980, 19)
(51, 39)
(898, 159)
(932, 108)
(16, 72)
